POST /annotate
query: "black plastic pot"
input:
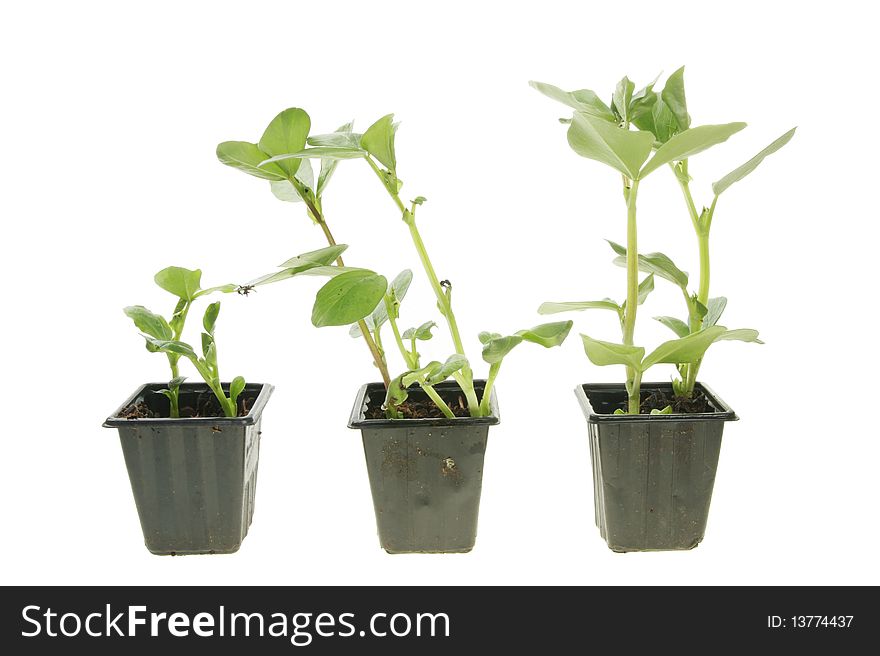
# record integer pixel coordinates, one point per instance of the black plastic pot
(193, 479)
(426, 475)
(652, 474)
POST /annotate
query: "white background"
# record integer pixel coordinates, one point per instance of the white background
(110, 116)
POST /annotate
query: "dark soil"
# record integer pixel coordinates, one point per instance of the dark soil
(201, 406)
(415, 408)
(659, 399)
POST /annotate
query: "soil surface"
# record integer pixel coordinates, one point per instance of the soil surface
(659, 399)
(205, 406)
(415, 408)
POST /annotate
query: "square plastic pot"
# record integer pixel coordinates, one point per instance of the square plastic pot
(653, 475)
(193, 479)
(426, 475)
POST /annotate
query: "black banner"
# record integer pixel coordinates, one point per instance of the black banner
(287, 620)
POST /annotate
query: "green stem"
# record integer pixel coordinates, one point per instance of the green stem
(702, 232)
(175, 391)
(634, 392)
(632, 265)
(378, 360)
(407, 356)
(632, 290)
(487, 391)
(466, 376)
(432, 394)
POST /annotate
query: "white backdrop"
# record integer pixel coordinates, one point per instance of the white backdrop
(110, 117)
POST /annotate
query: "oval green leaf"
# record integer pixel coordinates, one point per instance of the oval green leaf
(547, 334)
(582, 100)
(148, 322)
(690, 142)
(183, 283)
(378, 140)
(624, 150)
(286, 134)
(604, 354)
(347, 298)
(248, 157)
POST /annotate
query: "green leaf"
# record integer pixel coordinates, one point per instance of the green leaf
(583, 100)
(685, 349)
(226, 289)
(347, 298)
(172, 346)
(622, 98)
(305, 264)
(665, 125)
(596, 139)
(742, 171)
(607, 353)
(176, 382)
(148, 322)
(641, 106)
(248, 157)
(575, 306)
(208, 349)
(286, 134)
(420, 375)
(741, 335)
(498, 347)
(645, 288)
(236, 387)
(397, 288)
(210, 318)
(656, 263)
(423, 332)
(454, 363)
(378, 140)
(673, 95)
(347, 139)
(690, 142)
(343, 137)
(679, 327)
(322, 152)
(665, 411)
(321, 257)
(183, 283)
(547, 334)
(486, 337)
(714, 310)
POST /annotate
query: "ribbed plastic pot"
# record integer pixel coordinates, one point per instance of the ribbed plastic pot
(653, 475)
(193, 479)
(426, 475)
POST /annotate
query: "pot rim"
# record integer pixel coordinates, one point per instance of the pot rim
(115, 421)
(357, 420)
(724, 412)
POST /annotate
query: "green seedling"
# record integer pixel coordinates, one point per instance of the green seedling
(160, 332)
(376, 147)
(636, 134)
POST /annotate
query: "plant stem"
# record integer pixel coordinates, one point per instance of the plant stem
(407, 356)
(632, 292)
(466, 376)
(175, 392)
(632, 265)
(702, 232)
(487, 391)
(378, 360)
(439, 402)
(634, 393)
